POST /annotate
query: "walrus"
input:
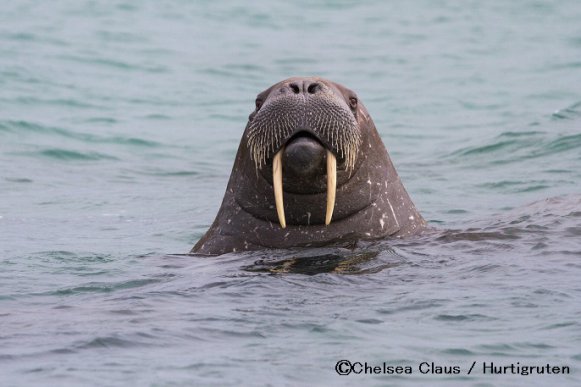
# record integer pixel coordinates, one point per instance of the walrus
(311, 170)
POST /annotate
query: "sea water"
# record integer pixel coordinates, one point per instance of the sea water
(119, 123)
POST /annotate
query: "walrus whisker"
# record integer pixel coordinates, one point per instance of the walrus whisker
(277, 184)
(331, 185)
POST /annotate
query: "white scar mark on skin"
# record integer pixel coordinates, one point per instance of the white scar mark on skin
(363, 113)
(393, 212)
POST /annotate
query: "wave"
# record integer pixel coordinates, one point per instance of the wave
(518, 146)
(35, 128)
(66, 154)
(569, 113)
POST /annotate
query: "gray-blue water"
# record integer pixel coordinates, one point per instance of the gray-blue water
(119, 123)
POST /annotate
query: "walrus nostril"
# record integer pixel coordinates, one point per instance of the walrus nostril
(304, 87)
(295, 88)
(313, 87)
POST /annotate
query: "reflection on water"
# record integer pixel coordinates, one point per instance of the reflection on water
(316, 262)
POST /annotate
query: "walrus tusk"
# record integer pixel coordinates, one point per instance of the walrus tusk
(331, 185)
(277, 183)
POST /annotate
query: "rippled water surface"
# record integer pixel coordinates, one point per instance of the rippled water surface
(119, 122)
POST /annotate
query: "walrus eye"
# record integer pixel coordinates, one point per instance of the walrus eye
(258, 104)
(353, 102)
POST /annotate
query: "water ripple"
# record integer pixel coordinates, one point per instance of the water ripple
(569, 113)
(71, 155)
(103, 287)
(518, 148)
(17, 127)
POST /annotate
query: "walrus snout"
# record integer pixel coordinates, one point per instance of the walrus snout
(304, 156)
(300, 104)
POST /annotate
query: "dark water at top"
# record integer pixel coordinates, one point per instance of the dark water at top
(119, 122)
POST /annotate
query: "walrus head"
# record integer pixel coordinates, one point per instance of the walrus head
(297, 125)
(311, 170)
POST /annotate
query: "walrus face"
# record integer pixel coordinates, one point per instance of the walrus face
(303, 129)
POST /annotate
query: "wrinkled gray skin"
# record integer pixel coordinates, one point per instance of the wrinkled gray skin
(307, 115)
